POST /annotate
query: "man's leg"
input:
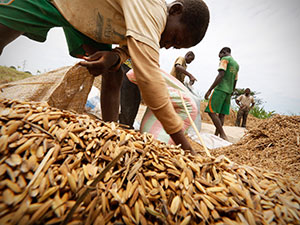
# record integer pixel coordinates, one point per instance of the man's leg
(245, 115)
(110, 95)
(130, 100)
(7, 35)
(218, 124)
(217, 132)
(238, 118)
(222, 118)
(219, 102)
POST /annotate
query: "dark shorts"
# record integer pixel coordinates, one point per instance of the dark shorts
(36, 17)
(219, 102)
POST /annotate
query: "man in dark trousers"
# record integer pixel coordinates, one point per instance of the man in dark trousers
(246, 103)
(130, 98)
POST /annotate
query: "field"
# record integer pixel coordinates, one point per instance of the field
(11, 74)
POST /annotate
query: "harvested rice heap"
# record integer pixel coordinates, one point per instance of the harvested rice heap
(273, 144)
(57, 167)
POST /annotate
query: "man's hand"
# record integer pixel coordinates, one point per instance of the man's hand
(100, 62)
(192, 80)
(207, 94)
(179, 138)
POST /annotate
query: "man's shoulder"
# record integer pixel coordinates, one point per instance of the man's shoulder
(228, 57)
(248, 97)
(180, 60)
(232, 61)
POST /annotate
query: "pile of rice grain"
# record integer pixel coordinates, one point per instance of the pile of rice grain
(53, 167)
(273, 144)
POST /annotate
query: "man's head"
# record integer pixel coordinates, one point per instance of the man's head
(224, 52)
(186, 25)
(247, 91)
(189, 57)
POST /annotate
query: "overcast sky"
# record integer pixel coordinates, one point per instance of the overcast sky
(264, 36)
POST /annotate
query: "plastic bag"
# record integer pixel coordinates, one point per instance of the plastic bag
(151, 124)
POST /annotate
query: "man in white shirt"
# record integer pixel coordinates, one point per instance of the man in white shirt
(246, 103)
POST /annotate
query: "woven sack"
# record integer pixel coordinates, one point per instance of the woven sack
(65, 88)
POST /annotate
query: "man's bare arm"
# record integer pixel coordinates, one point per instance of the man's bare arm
(215, 83)
(180, 68)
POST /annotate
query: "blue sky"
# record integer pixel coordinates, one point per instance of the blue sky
(264, 36)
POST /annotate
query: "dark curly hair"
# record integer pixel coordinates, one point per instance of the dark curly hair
(226, 49)
(195, 16)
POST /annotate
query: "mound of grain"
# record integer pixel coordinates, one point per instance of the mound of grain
(272, 145)
(57, 166)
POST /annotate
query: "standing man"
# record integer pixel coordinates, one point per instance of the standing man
(223, 87)
(244, 101)
(180, 65)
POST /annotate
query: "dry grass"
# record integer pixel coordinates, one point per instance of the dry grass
(9, 75)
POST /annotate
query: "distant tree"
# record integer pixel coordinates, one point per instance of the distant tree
(13, 67)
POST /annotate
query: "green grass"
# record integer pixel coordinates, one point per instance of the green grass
(261, 113)
(10, 74)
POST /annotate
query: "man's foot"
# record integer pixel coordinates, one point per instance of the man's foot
(224, 137)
